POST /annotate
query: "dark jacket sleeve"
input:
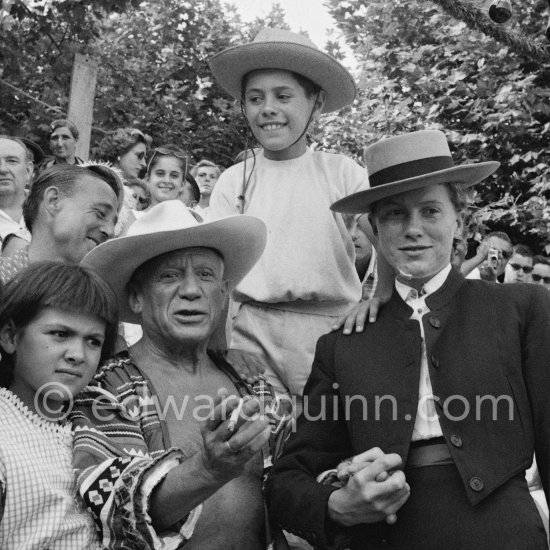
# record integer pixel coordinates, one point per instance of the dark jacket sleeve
(536, 373)
(296, 501)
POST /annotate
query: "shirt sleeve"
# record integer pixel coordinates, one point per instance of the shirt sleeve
(117, 471)
(224, 201)
(535, 354)
(357, 178)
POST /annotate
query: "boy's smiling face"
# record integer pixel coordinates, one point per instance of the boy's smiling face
(278, 110)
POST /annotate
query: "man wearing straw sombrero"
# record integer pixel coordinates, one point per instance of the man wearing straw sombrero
(442, 401)
(160, 431)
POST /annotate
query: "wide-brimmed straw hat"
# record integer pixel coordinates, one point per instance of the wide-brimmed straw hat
(171, 226)
(289, 51)
(411, 161)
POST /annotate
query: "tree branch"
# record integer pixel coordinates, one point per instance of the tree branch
(478, 20)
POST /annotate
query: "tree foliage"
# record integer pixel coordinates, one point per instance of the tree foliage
(422, 69)
(417, 68)
(37, 44)
(153, 72)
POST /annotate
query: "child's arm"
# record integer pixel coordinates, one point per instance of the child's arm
(358, 315)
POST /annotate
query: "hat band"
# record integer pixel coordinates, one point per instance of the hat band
(410, 169)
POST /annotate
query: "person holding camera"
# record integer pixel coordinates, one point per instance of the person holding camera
(491, 258)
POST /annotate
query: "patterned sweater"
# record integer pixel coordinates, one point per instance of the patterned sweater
(122, 451)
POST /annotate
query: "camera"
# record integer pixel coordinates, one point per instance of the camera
(493, 257)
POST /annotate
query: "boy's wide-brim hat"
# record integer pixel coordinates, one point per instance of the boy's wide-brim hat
(170, 226)
(288, 51)
(408, 162)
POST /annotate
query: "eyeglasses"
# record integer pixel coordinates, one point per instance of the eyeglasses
(537, 278)
(173, 153)
(524, 268)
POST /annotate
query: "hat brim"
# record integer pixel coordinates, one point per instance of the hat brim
(232, 64)
(239, 239)
(465, 175)
(37, 151)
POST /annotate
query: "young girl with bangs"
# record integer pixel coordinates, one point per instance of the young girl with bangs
(57, 322)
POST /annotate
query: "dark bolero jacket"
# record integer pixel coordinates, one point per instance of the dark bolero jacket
(488, 349)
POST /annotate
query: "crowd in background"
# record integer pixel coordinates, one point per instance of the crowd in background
(214, 272)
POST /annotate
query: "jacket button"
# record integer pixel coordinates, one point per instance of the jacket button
(435, 362)
(457, 442)
(476, 484)
(435, 322)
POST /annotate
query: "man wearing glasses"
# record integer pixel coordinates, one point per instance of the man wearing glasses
(520, 266)
(491, 258)
(541, 271)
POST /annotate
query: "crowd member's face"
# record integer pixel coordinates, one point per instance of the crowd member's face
(85, 218)
(206, 177)
(63, 144)
(458, 254)
(133, 161)
(180, 296)
(187, 196)
(518, 269)
(57, 348)
(416, 231)
(504, 252)
(541, 275)
(363, 247)
(15, 170)
(165, 179)
(278, 110)
(140, 196)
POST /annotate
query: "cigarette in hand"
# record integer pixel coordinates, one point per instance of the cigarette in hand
(235, 415)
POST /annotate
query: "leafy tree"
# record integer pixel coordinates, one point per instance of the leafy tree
(37, 42)
(420, 68)
(153, 71)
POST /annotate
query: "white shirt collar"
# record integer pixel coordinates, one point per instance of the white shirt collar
(435, 283)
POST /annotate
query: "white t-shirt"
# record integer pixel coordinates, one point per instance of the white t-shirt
(309, 254)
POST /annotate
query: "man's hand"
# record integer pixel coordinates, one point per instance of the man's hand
(248, 365)
(374, 492)
(230, 441)
(488, 273)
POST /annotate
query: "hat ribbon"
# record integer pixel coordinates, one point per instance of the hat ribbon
(410, 169)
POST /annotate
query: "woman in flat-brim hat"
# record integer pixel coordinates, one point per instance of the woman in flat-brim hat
(443, 466)
(397, 165)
